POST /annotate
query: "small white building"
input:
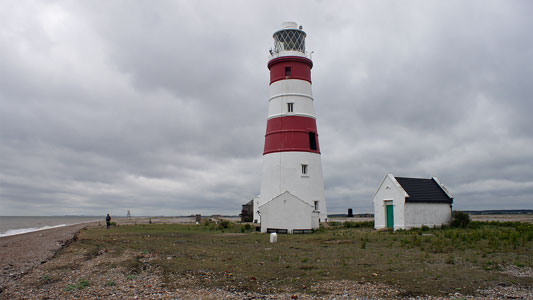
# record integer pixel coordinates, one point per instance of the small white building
(287, 213)
(403, 203)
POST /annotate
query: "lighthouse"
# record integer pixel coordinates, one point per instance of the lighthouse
(292, 187)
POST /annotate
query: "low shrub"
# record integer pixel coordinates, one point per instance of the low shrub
(82, 283)
(352, 224)
(246, 228)
(460, 219)
(224, 224)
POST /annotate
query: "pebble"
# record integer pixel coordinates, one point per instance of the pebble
(149, 284)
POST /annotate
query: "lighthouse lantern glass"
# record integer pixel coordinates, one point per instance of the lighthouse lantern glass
(289, 40)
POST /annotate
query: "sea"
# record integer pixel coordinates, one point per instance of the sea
(18, 225)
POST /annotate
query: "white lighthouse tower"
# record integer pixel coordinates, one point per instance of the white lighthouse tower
(292, 189)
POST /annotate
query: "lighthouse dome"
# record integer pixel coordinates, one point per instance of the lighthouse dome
(289, 25)
(289, 40)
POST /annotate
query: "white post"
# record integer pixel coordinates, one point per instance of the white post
(273, 237)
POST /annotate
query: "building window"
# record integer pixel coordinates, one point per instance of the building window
(304, 169)
(290, 107)
(312, 141)
(316, 205)
(288, 72)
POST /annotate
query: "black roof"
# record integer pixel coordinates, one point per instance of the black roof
(423, 190)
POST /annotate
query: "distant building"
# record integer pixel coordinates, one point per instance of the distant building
(403, 203)
(247, 212)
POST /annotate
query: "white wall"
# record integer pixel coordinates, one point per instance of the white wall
(286, 212)
(388, 190)
(290, 86)
(429, 214)
(282, 171)
(302, 106)
(291, 90)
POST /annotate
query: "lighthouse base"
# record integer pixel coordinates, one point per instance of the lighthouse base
(288, 213)
(284, 171)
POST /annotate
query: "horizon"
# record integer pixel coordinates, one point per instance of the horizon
(231, 215)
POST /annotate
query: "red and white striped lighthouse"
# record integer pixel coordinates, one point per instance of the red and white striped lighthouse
(291, 157)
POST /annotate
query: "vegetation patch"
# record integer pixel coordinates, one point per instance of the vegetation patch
(82, 283)
(424, 261)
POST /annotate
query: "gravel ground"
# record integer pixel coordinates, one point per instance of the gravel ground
(31, 271)
(21, 253)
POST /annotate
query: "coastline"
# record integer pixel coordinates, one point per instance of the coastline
(11, 225)
(22, 252)
(19, 231)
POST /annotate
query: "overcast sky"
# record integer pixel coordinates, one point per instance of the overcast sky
(160, 106)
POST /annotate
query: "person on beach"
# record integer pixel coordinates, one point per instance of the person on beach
(108, 221)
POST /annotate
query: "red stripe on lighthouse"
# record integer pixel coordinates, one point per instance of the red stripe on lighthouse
(300, 68)
(290, 134)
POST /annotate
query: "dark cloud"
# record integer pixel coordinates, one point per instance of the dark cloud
(160, 107)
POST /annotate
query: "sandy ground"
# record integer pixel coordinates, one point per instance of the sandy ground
(503, 218)
(21, 257)
(22, 252)
(157, 220)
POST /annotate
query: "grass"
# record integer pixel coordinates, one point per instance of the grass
(82, 283)
(231, 256)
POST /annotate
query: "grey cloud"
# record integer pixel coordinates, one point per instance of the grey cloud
(160, 107)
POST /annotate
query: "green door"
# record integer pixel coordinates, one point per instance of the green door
(390, 216)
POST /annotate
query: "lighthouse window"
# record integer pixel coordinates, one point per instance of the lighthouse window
(304, 169)
(312, 141)
(289, 40)
(288, 71)
(290, 107)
